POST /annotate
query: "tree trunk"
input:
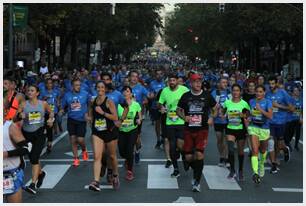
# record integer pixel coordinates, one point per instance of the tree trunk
(87, 53)
(73, 51)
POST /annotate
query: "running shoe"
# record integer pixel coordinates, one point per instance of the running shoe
(232, 175)
(40, 179)
(116, 182)
(196, 187)
(256, 178)
(168, 163)
(95, 186)
(109, 177)
(32, 189)
(221, 162)
(287, 154)
(175, 174)
(129, 175)
(137, 157)
(273, 169)
(85, 155)
(76, 162)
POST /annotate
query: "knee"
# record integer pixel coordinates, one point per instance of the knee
(200, 155)
(271, 145)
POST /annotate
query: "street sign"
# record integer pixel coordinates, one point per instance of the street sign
(20, 16)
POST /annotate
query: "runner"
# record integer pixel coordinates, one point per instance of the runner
(33, 131)
(14, 148)
(281, 104)
(235, 109)
(155, 86)
(193, 108)
(221, 94)
(128, 130)
(77, 102)
(103, 113)
(295, 119)
(174, 125)
(258, 129)
(51, 96)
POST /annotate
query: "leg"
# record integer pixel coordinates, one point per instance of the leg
(98, 147)
(231, 151)
(254, 158)
(111, 148)
(241, 144)
(74, 145)
(130, 148)
(16, 197)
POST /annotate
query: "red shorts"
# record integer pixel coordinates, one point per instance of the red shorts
(195, 139)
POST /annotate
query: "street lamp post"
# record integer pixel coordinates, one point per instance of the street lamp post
(11, 37)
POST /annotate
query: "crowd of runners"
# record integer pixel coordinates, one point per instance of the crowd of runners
(245, 109)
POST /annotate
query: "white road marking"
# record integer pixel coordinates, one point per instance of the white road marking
(277, 189)
(184, 200)
(216, 178)
(101, 187)
(54, 175)
(159, 178)
(59, 138)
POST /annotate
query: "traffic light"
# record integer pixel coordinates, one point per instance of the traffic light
(221, 7)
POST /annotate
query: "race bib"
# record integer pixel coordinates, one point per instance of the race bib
(100, 124)
(8, 185)
(52, 107)
(34, 117)
(196, 121)
(127, 123)
(172, 116)
(275, 109)
(257, 116)
(234, 118)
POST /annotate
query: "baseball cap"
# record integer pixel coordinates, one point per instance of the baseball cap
(194, 77)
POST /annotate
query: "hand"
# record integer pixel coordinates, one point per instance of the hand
(88, 118)
(118, 123)
(50, 122)
(22, 115)
(258, 107)
(210, 121)
(187, 118)
(275, 104)
(99, 110)
(163, 110)
(138, 121)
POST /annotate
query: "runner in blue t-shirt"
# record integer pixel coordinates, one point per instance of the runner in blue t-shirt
(155, 86)
(294, 118)
(281, 105)
(221, 94)
(77, 102)
(52, 97)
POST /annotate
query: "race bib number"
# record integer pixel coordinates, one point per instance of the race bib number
(8, 185)
(257, 116)
(196, 121)
(173, 116)
(127, 123)
(234, 118)
(34, 117)
(275, 109)
(52, 107)
(100, 124)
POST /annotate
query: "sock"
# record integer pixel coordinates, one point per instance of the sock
(263, 158)
(198, 169)
(231, 159)
(240, 158)
(254, 161)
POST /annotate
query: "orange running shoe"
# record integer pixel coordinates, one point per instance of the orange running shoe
(85, 155)
(76, 162)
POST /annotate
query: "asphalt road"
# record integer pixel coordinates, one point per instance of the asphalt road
(152, 183)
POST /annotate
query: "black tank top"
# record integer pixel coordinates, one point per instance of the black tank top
(100, 122)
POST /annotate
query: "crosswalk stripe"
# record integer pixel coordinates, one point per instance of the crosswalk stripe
(277, 189)
(159, 178)
(101, 187)
(216, 178)
(54, 175)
